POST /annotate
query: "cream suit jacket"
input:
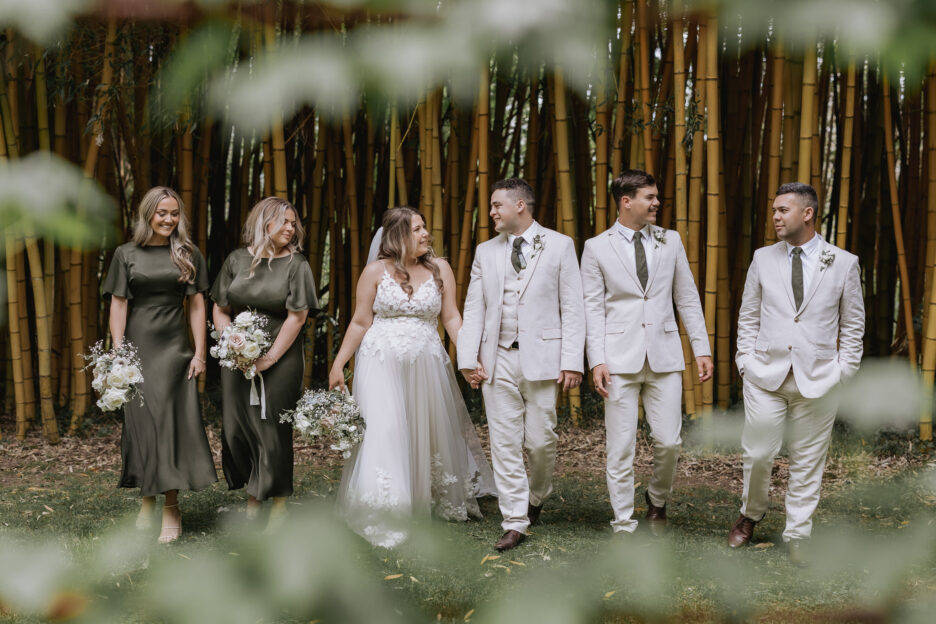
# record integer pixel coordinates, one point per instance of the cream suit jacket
(626, 325)
(822, 341)
(549, 310)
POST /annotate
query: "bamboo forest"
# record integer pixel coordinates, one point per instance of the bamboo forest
(348, 108)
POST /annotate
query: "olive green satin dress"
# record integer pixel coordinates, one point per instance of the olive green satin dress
(163, 444)
(258, 453)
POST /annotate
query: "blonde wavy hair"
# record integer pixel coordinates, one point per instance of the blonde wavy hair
(180, 242)
(396, 245)
(271, 210)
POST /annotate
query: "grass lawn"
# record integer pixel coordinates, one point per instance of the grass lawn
(874, 553)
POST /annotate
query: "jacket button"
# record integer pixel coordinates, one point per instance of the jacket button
(796, 320)
(646, 298)
(790, 347)
(643, 324)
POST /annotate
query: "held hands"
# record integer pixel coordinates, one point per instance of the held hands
(476, 376)
(706, 367)
(569, 379)
(602, 379)
(196, 367)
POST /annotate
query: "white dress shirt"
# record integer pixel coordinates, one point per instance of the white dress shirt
(810, 258)
(647, 240)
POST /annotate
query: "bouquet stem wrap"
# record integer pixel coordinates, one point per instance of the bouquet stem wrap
(261, 399)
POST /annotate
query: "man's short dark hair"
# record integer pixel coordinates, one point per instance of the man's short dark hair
(518, 189)
(629, 182)
(806, 193)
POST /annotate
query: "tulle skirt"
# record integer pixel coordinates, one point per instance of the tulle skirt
(420, 455)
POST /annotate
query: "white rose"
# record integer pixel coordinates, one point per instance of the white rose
(134, 376)
(118, 377)
(244, 319)
(98, 383)
(112, 399)
(215, 351)
(251, 351)
(258, 335)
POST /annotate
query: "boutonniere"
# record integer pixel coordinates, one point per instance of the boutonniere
(538, 246)
(826, 258)
(659, 235)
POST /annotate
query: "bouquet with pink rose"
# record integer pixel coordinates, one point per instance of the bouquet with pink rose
(330, 413)
(242, 343)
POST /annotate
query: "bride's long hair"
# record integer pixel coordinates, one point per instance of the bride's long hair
(396, 245)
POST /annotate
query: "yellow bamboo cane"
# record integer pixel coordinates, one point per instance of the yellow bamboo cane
(898, 226)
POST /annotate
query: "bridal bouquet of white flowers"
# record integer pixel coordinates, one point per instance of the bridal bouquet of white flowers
(330, 413)
(241, 343)
(117, 376)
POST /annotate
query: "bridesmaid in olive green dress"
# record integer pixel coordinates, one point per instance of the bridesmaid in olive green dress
(271, 277)
(163, 446)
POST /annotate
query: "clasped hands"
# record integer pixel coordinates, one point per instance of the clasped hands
(476, 376)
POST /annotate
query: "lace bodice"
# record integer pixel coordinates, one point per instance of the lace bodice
(404, 326)
(393, 302)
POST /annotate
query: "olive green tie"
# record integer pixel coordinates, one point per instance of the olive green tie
(640, 256)
(798, 276)
(516, 256)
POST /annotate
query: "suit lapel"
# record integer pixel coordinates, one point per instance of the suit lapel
(785, 272)
(818, 274)
(657, 257)
(499, 259)
(534, 261)
(615, 241)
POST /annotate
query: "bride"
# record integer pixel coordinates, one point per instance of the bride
(420, 453)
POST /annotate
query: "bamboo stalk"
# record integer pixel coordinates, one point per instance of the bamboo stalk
(13, 325)
(646, 114)
(713, 200)
(354, 233)
(807, 115)
(898, 228)
(567, 221)
(484, 184)
(774, 160)
(620, 108)
(438, 208)
(602, 118)
(841, 234)
(929, 342)
(464, 243)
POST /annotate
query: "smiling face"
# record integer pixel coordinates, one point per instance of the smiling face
(420, 236)
(641, 209)
(284, 235)
(165, 220)
(793, 219)
(508, 214)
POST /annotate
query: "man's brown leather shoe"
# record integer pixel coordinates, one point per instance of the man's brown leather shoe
(656, 516)
(510, 539)
(533, 513)
(741, 531)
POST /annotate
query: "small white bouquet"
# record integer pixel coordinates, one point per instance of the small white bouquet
(242, 343)
(330, 413)
(117, 376)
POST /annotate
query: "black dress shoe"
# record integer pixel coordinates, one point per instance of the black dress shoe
(533, 513)
(510, 539)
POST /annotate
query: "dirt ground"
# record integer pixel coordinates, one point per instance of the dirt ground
(32, 462)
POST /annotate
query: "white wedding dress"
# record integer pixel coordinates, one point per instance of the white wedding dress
(420, 455)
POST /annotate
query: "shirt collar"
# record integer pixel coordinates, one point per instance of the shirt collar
(808, 248)
(628, 233)
(528, 234)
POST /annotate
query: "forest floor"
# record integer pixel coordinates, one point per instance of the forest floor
(66, 494)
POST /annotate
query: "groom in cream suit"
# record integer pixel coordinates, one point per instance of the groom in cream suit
(631, 275)
(800, 331)
(522, 338)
